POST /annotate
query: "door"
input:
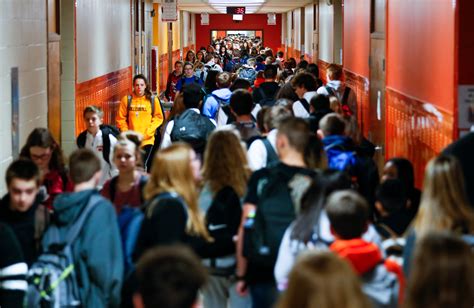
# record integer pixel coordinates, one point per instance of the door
(377, 79)
(54, 69)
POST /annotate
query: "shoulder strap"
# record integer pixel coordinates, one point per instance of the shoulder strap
(152, 101)
(113, 188)
(387, 229)
(271, 154)
(305, 104)
(345, 96)
(330, 91)
(76, 228)
(129, 104)
(81, 139)
(142, 183)
(106, 145)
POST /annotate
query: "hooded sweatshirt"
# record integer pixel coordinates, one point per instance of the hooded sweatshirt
(382, 280)
(97, 250)
(211, 104)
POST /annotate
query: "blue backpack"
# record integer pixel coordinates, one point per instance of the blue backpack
(52, 279)
(248, 73)
(341, 159)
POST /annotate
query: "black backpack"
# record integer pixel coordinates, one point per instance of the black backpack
(272, 155)
(276, 209)
(305, 104)
(192, 128)
(265, 100)
(106, 131)
(52, 279)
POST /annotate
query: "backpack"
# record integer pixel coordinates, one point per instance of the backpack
(345, 107)
(393, 245)
(152, 102)
(248, 73)
(272, 156)
(106, 131)
(222, 104)
(276, 209)
(52, 280)
(341, 159)
(192, 128)
(265, 100)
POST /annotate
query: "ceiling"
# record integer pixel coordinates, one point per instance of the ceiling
(251, 6)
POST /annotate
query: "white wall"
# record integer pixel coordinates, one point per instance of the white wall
(297, 29)
(309, 26)
(68, 78)
(289, 32)
(326, 28)
(23, 44)
(102, 37)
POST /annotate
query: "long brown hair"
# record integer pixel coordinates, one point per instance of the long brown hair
(444, 204)
(42, 137)
(323, 280)
(225, 162)
(442, 275)
(171, 172)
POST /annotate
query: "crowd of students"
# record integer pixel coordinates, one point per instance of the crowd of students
(267, 187)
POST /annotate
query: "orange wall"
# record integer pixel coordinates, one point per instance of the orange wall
(271, 34)
(357, 36)
(421, 50)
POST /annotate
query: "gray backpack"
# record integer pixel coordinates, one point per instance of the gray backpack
(52, 280)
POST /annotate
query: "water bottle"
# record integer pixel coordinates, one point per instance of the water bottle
(250, 221)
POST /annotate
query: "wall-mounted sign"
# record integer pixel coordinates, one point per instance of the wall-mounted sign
(465, 106)
(236, 10)
(271, 19)
(204, 19)
(170, 10)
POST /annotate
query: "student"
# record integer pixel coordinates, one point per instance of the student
(21, 208)
(169, 277)
(137, 113)
(241, 105)
(402, 169)
(304, 85)
(323, 280)
(214, 103)
(225, 174)
(100, 139)
(13, 270)
(443, 268)
(190, 126)
(319, 107)
(190, 56)
(382, 280)
(46, 153)
(342, 155)
(172, 212)
(444, 205)
(97, 251)
(336, 87)
(125, 189)
(263, 152)
(268, 198)
(173, 79)
(188, 77)
(267, 91)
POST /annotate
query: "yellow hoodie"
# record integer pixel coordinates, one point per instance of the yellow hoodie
(139, 117)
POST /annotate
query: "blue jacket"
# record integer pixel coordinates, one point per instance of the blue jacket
(211, 105)
(97, 250)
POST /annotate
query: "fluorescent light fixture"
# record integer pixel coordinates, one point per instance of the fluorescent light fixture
(237, 17)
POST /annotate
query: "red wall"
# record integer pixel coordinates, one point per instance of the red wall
(466, 42)
(357, 36)
(421, 50)
(271, 34)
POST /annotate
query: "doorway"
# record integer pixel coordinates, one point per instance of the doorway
(377, 79)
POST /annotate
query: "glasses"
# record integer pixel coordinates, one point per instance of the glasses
(40, 157)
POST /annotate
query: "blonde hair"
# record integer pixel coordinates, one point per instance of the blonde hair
(323, 280)
(171, 172)
(444, 204)
(335, 104)
(225, 162)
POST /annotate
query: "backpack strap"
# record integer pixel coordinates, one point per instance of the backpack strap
(305, 104)
(106, 145)
(81, 139)
(113, 188)
(271, 154)
(345, 96)
(76, 228)
(129, 104)
(141, 184)
(330, 91)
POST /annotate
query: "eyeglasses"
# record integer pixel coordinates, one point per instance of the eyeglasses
(40, 157)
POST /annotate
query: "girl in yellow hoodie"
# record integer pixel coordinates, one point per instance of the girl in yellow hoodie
(137, 116)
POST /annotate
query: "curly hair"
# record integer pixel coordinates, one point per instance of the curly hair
(225, 162)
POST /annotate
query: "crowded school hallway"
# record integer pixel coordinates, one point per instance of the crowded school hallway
(258, 153)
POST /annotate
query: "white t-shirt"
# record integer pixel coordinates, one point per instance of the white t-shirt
(96, 144)
(298, 108)
(257, 153)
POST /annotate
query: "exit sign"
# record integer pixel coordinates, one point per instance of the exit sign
(236, 10)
